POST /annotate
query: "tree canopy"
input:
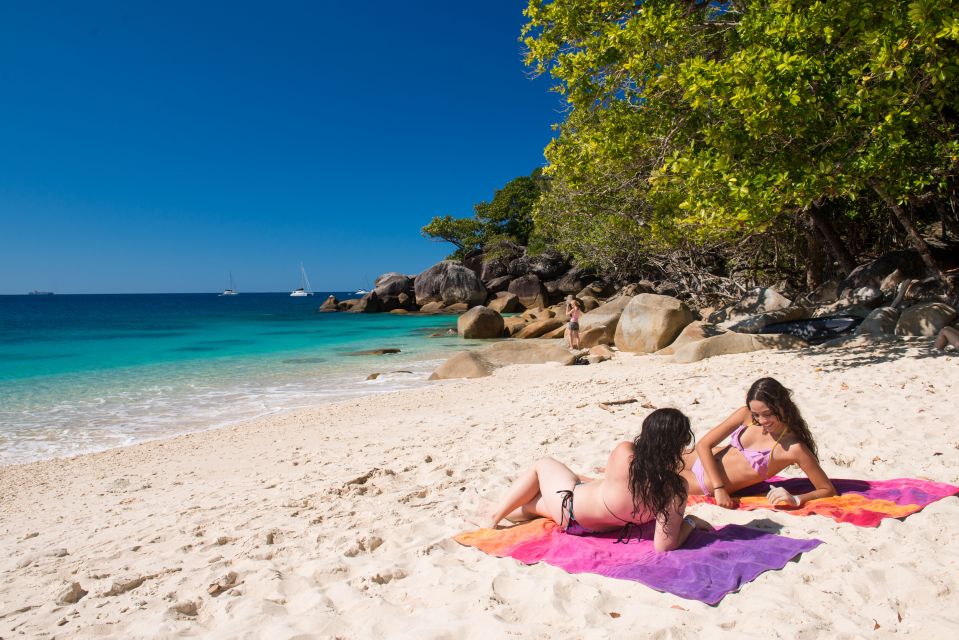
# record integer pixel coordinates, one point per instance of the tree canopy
(699, 121)
(507, 217)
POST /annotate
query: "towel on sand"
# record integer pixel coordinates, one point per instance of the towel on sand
(706, 568)
(861, 502)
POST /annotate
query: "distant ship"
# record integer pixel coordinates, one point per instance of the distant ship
(40, 293)
(305, 290)
(361, 292)
(231, 291)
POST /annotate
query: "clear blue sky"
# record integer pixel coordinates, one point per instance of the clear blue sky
(155, 146)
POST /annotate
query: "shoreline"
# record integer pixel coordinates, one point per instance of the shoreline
(338, 519)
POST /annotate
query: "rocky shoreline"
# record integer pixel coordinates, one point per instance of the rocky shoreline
(514, 295)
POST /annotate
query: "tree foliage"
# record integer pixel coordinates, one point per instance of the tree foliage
(507, 217)
(714, 121)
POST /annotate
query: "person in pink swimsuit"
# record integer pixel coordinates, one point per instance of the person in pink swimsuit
(766, 436)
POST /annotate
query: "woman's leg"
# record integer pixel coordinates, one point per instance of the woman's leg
(947, 336)
(536, 492)
(574, 339)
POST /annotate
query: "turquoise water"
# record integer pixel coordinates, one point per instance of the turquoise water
(88, 372)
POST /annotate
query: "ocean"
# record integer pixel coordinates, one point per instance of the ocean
(82, 373)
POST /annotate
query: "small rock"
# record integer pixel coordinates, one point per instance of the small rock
(123, 586)
(61, 622)
(186, 607)
(72, 594)
(373, 376)
(226, 582)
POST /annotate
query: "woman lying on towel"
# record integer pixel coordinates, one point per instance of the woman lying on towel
(766, 436)
(642, 484)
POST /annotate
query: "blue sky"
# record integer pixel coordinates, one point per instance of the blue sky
(157, 146)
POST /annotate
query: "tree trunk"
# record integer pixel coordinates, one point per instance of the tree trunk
(814, 257)
(914, 238)
(836, 246)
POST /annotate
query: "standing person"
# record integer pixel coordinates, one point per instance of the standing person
(642, 484)
(765, 436)
(574, 307)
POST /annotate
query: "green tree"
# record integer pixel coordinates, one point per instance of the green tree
(507, 217)
(718, 120)
(463, 233)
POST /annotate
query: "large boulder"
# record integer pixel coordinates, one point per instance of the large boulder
(605, 316)
(482, 362)
(432, 307)
(505, 302)
(370, 303)
(594, 336)
(498, 284)
(330, 304)
(449, 283)
(572, 282)
(732, 342)
(756, 301)
(558, 332)
(547, 265)
(598, 289)
(530, 291)
(649, 322)
(537, 328)
(514, 324)
(925, 319)
(393, 284)
(494, 263)
(881, 321)
(755, 324)
(527, 352)
(692, 332)
(872, 274)
(465, 364)
(480, 322)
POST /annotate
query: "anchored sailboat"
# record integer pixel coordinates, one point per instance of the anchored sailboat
(232, 290)
(305, 290)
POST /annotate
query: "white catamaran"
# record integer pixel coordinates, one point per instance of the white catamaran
(232, 290)
(305, 290)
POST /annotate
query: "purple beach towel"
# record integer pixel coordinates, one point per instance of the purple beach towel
(706, 568)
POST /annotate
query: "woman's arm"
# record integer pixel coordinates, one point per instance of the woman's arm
(823, 487)
(704, 451)
(672, 532)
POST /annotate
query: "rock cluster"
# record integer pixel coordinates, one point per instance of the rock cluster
(881, 297)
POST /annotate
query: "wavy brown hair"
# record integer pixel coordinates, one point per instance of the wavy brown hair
(778, 398)
(657, 459)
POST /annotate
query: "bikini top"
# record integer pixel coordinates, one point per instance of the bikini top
(757, 459)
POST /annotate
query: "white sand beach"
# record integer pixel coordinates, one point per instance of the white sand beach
(337, 522)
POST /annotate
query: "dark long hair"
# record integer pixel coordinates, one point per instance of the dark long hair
(657, 459)
(778, 398)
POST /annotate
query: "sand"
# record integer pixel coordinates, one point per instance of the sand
(336, 522)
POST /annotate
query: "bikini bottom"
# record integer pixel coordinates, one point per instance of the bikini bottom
(571, 527)
(700, 474)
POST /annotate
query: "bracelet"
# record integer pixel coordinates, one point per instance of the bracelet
(719, 486)
(689, 520)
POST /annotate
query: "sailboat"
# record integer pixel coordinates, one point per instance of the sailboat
(305, 290)
(232, 290)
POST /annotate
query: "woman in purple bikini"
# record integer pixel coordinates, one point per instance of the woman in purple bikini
(766, 436)
(642, 484)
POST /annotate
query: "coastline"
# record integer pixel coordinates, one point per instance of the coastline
(338, 519)
(117, 377)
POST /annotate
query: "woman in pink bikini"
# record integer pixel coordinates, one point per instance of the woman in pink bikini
(766, 436)
(642, 484)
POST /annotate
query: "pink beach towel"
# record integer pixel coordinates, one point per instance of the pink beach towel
(706, 568)
(864, 503)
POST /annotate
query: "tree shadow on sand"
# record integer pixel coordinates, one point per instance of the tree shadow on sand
(887, 350)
